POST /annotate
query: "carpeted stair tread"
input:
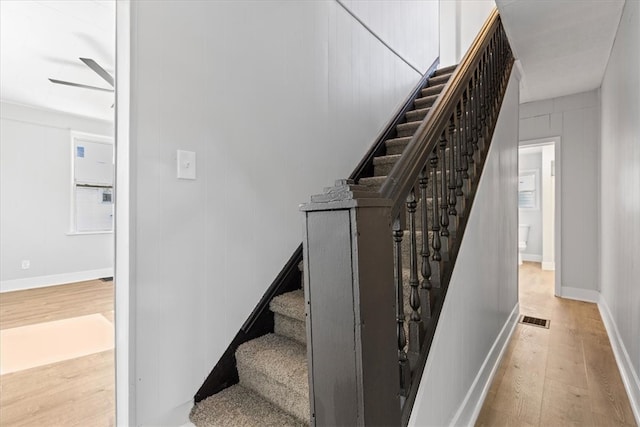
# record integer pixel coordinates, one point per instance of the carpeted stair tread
(238, 406)
(445, 70)
(382, 165)
(396, 145)
(425, 101)
(432, 90)
(275, 367)
(385, 160)
(408, 129)
(439, 79)
(373, 181)
(277, 357)
(290, 328)
(418, 114)
(290, 304)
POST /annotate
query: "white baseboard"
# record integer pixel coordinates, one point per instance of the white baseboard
(548, 265)
(54, 279)
(627, 371)
(587, 295)
(531, 257)
(468, 412)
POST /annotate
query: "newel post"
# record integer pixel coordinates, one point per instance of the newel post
(350, 306)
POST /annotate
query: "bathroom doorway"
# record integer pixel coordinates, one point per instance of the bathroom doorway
(539, 206)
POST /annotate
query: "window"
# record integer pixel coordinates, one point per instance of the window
(528, 194)
(91, 183)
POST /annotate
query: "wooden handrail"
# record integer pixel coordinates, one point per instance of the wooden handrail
(405, 173)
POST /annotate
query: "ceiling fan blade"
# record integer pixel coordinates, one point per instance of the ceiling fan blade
(98, 69)
(62, 82)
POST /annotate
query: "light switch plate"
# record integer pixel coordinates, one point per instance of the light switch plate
(186, 164)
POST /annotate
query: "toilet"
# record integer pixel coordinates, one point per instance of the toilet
(523, 235)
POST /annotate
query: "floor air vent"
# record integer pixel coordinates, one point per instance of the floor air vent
(528, 320)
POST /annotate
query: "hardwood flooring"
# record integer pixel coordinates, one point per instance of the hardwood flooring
(562, 376)
(75, 392)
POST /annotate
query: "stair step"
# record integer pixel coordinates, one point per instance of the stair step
(382, 165)
(290, 328)
(239, 406)
(408, 129)
(432, 90)
(290, 304)
(439, 79)
(276, 368)
(374, 182)
(415, 115)
(425, 101)
(396, 145)
(289, 316)
(446, 70)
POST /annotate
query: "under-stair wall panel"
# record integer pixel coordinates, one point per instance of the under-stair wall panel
(620, 200)
(277, 99)
(483, 291)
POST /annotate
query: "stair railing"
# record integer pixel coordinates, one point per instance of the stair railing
(365, 358)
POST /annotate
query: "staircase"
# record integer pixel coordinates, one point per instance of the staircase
(272, 369)
(350, 347)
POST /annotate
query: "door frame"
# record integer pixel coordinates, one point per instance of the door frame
(557, 249)
(124, 225)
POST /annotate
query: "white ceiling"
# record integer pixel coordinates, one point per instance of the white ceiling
(42, 39)
(563, 45)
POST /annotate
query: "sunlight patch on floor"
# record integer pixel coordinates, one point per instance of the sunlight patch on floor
(40, 344)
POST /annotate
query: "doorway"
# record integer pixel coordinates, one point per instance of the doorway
(539, 206)
(56, 213)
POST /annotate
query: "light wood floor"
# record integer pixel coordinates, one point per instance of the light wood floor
(76, 392)
(562, 376)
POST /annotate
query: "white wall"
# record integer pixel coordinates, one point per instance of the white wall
(575, 119)
(620, 198)
(35, 197)
(278, 99)
(460, 22)
(413, 40)
(532, 217)
(481, 305)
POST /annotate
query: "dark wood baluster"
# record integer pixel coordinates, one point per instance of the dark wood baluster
(499, 68)
(476, 111)
(468, 112)
(457, 142)
(464, 152)
(435, 224)
(494, 76)
(415, 323)
(487, 105)
(405, 371)
(425, 271)
(492, 80)
(444, 216)
(482, 123)
(453, 170)
(501, 63)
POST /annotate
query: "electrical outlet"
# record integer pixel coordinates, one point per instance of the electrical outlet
(26, 264)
